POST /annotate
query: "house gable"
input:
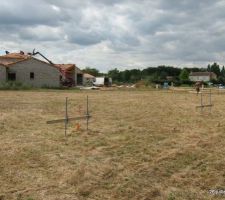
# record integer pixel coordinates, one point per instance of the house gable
(35, 73)
(41, 73)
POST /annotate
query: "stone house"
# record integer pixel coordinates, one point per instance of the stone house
(202, 76)
(88, 79)
(34, 72)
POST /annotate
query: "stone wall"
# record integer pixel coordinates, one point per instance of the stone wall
(2, 74)
(199, 78)
(44, 73)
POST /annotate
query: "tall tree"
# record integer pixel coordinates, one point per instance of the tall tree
(215, 68)
(125, 76)
(223, 72)
(184, 75)
(209, 68)
(92, 71)
(114, 74)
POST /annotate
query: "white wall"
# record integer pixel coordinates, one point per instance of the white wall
(199, 78)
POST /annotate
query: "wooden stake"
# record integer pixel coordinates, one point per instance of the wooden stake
(87, 113)
(66, 120)
(210, 101)
(201, 103)
(66, 116)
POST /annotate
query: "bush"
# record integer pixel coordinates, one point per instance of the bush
(143, 83)
(58, 88)
(14, 85)
(187, 82)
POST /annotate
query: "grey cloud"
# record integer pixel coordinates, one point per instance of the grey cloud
(86, 38)
(185, 5)
(116, 32)
(41, 33)
(29, 13)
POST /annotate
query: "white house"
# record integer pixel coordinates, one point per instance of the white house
(202, 76)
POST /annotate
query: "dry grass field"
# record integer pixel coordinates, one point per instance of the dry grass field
(141, 145)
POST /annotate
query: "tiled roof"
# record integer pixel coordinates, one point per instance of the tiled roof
(86, 75)
(13, 58)
(16, 56)
(65, 66)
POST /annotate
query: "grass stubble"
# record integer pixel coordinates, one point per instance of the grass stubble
(141, 145)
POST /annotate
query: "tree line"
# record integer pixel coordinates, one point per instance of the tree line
(159, 74)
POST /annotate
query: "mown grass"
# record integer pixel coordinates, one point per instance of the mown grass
(141, 145)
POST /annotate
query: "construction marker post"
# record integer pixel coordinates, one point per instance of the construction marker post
(210, 99)
(67, 119)
(202, 106)
(87, 113)
(201, 103)
(66, 116)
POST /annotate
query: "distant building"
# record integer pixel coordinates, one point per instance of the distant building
(202, 76)
(27, 69)
(88, 79)
(103, 81)
(68, 75)
(170, 78)
(79, 76)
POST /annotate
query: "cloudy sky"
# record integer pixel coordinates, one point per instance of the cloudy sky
(116, 33)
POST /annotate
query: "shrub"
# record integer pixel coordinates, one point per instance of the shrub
(14, 85)
(142, 83)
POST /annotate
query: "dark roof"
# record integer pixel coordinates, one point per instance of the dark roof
(202, 74)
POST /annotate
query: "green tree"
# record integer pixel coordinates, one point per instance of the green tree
(163, 75)
(92, 71)
(184, 75)
(114, 74)
(125, 76)
(135, 75)
(222, 73)
(154, 77)
(208, 68)
(214, 68)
